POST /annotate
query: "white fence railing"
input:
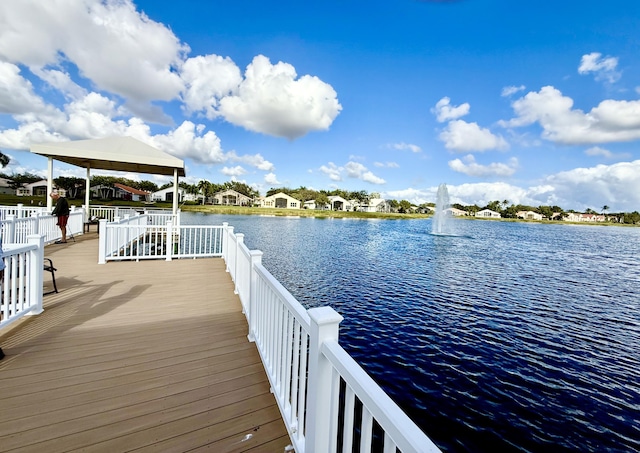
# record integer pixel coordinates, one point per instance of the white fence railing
(19, 211)
(111, 213)
(17, 229)
(22, 283)
(137, 238)
(318, 386)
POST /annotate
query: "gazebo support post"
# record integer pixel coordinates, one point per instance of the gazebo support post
(87, 192)
(175, 192)
(49, 184)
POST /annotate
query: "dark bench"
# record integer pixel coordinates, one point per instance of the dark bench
(48, 267)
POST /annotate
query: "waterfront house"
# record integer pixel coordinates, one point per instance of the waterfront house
(123, 192)
(488, 213)
(529, 215)
(280, 200)
(34, 189)
(579, 217)
(166, 194)
(339, 204)
(455, 212)
(232, 197)
(375, 205)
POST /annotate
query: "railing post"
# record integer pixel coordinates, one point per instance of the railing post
(36, 264)
(239, 242)
(10, 234)
(169, 239)
(255, 258)
(325, 323)
(225, 240)
(102, 241)
(19, 211)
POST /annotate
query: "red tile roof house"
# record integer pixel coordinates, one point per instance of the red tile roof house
(129, 193)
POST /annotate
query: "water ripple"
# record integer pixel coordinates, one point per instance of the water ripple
(520, 337)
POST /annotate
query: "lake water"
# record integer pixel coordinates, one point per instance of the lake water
(514, 336)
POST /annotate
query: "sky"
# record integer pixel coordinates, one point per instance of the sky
(533, 102)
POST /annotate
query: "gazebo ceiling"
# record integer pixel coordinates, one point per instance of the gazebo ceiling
(113, 153)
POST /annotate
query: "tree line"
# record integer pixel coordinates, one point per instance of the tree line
(74, 188)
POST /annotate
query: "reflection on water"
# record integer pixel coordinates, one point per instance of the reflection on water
(516, 336)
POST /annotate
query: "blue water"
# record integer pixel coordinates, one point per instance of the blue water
(514, 336)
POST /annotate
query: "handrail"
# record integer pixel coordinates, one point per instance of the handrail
(22, 283)
(17, 229)
(314, 380)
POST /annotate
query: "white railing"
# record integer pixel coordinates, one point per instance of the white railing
(16, 230)
(315, 381)
(110, 213)
(136, 238)
(19, 211)
(22, 283)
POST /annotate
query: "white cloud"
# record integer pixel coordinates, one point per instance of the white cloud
(461, 136)
(610, 121)
(359, 171)
(386, 164)
(597, 151)
(616, 185)
(352, 170)
(511, 90)
(332, 171)
(470, 167)
(138, 56)
(270, 178)
(207, 80)
(257, 161)
(233, 171)
(272, 101)
(445, 112)
(603, 68)
(16, 92)
(405, 146)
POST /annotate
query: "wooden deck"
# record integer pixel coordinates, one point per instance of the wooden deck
(147, 356)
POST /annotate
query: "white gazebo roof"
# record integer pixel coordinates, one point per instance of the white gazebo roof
(113, 153)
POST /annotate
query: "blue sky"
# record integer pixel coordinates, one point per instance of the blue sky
(533, 102)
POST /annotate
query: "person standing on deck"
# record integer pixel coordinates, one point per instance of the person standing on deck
(61, 210)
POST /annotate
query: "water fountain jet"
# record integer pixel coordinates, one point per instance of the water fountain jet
(441, 222)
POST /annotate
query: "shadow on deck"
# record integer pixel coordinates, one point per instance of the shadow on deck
(146, 356)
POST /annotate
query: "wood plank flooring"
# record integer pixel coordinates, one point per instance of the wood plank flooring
(146, 356)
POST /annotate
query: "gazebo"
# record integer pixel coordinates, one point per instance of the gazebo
(112, 153)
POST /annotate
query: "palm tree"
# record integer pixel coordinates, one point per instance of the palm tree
(4, 159)
(204, 187)
(605, 208)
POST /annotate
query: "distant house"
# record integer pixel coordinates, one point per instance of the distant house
(339, 204)
(35, 189)
(529, 215)
(578, 217)
(5, 188)
(166, 194)
(231, 197)
(280, 200)
(488, 213)
(123, 192)
(455, 212)
(375, 205)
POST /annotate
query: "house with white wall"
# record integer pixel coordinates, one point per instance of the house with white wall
(280, 200)
(375, 205)
(488, 214)
(232, 197)
(455, 212)
(338, 203)
(166, 194)
(529, 215)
